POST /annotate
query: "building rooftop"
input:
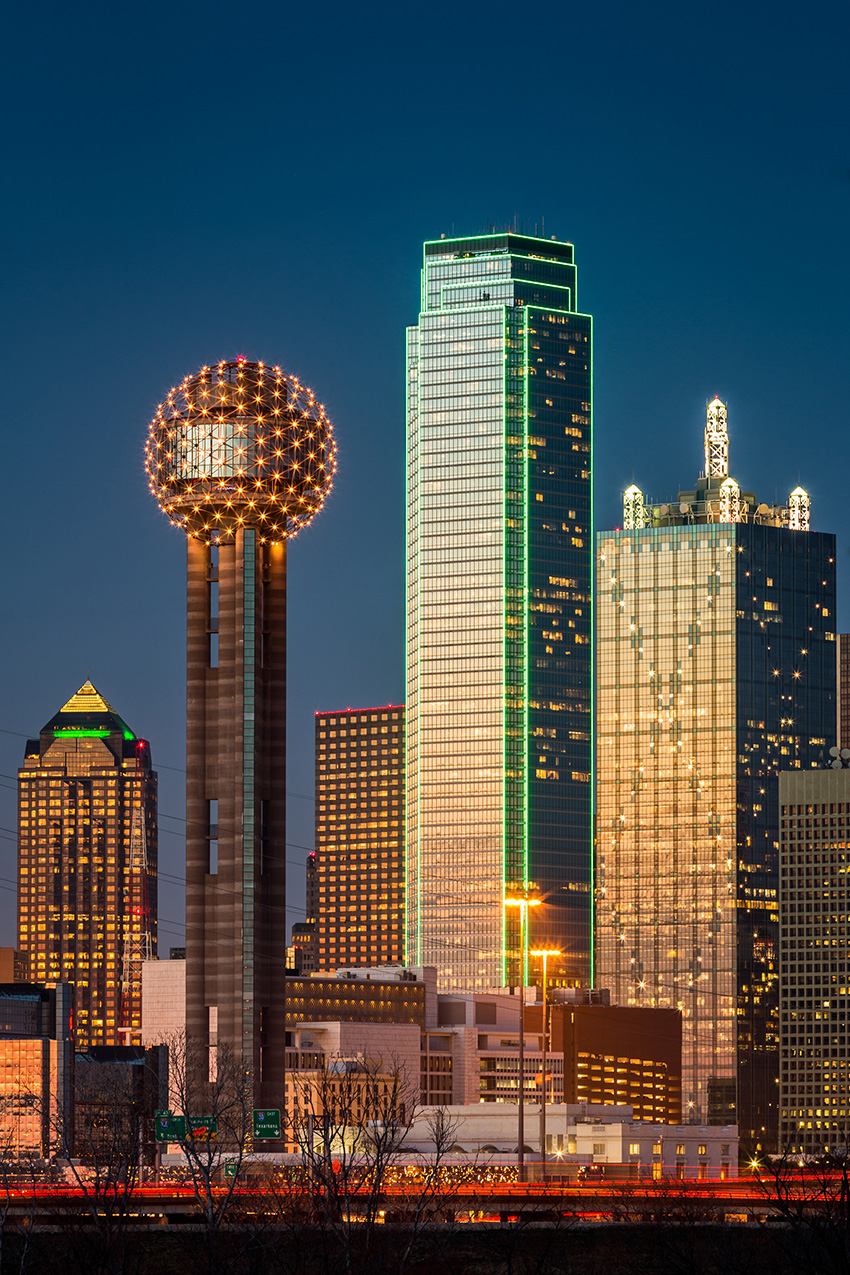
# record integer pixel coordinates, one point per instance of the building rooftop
(87, 713)
(717, 497)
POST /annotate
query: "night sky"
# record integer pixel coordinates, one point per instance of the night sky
(189, 182)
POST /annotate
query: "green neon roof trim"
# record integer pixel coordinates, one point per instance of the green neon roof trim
(87, 734)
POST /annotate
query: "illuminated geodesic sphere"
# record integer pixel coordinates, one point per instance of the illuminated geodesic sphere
(240, 445)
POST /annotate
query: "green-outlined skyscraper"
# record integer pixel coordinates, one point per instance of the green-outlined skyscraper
(499, 626)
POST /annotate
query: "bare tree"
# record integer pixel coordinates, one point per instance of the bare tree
(103, 1154)
(20, 1158)
(350, 1121)
(813, 1200)
(213, 1097)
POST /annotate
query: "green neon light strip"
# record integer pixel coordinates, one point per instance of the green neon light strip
(573, 314)
(412, 851)
(505, 577)
(592, 689)
(526, 529)
(248, 552)
(500, 234)
(84, 734)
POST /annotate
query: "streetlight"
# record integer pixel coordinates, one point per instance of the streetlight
(544, 953)
(522, 902)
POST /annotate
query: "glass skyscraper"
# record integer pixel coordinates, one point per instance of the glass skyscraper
(715, 671)
(498, 784)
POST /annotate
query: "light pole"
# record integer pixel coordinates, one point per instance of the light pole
(522, 902)
(544, 953)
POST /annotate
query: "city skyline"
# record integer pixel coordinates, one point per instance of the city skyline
(681, 163)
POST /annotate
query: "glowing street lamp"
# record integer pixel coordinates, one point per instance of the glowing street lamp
(523, 902)
(544, 954)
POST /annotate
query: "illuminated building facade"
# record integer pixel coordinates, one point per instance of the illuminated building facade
(391, 994)
(240, 456)
(843, 690)
(87, 864)
(715, 670)
(36, 1062)
(616, 1053)
(498, 786)
(814, 960)
(359, 837)
(301, 959)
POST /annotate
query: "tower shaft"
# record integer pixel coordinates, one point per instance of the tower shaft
(235, 805)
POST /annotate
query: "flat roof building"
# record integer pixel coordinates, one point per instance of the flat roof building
(36, 1069)
(814, 960)
(843, 696)
(498, 618)
(359, 855)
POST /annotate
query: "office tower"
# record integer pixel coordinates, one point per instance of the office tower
(36, 1069)
(87, 864)
(843, 672)
(360, 837)
(715, 670)
(814, 960)
(240, 457)
(616, 1053)
(302, 959)
(498, 610)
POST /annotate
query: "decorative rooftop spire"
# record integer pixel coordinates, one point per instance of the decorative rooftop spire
(716, 440)
(635, 513)
(799, 510)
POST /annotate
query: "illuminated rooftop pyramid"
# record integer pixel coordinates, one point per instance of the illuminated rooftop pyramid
(87, 713)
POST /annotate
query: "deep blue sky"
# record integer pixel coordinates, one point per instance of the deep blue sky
(187, 182)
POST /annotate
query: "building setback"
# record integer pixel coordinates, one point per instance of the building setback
(87, 864)
(359, 856)
(498, 786)
(715, 670)
(814, 960)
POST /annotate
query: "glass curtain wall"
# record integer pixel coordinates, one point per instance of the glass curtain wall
(715, 671)
(493, 522)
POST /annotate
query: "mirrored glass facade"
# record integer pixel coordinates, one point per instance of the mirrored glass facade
(498, 784)
(716, 670)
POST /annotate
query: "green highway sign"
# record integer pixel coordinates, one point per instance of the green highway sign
(168, 1127)
(266, 1123)
(231, 1168)
(203, 1127)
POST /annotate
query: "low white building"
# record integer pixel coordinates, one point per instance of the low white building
(584, 1135)
(382, 1047)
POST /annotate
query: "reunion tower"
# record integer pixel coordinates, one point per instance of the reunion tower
(241, 458)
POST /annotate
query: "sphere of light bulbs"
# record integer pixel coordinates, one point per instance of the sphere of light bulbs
(240, 445)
